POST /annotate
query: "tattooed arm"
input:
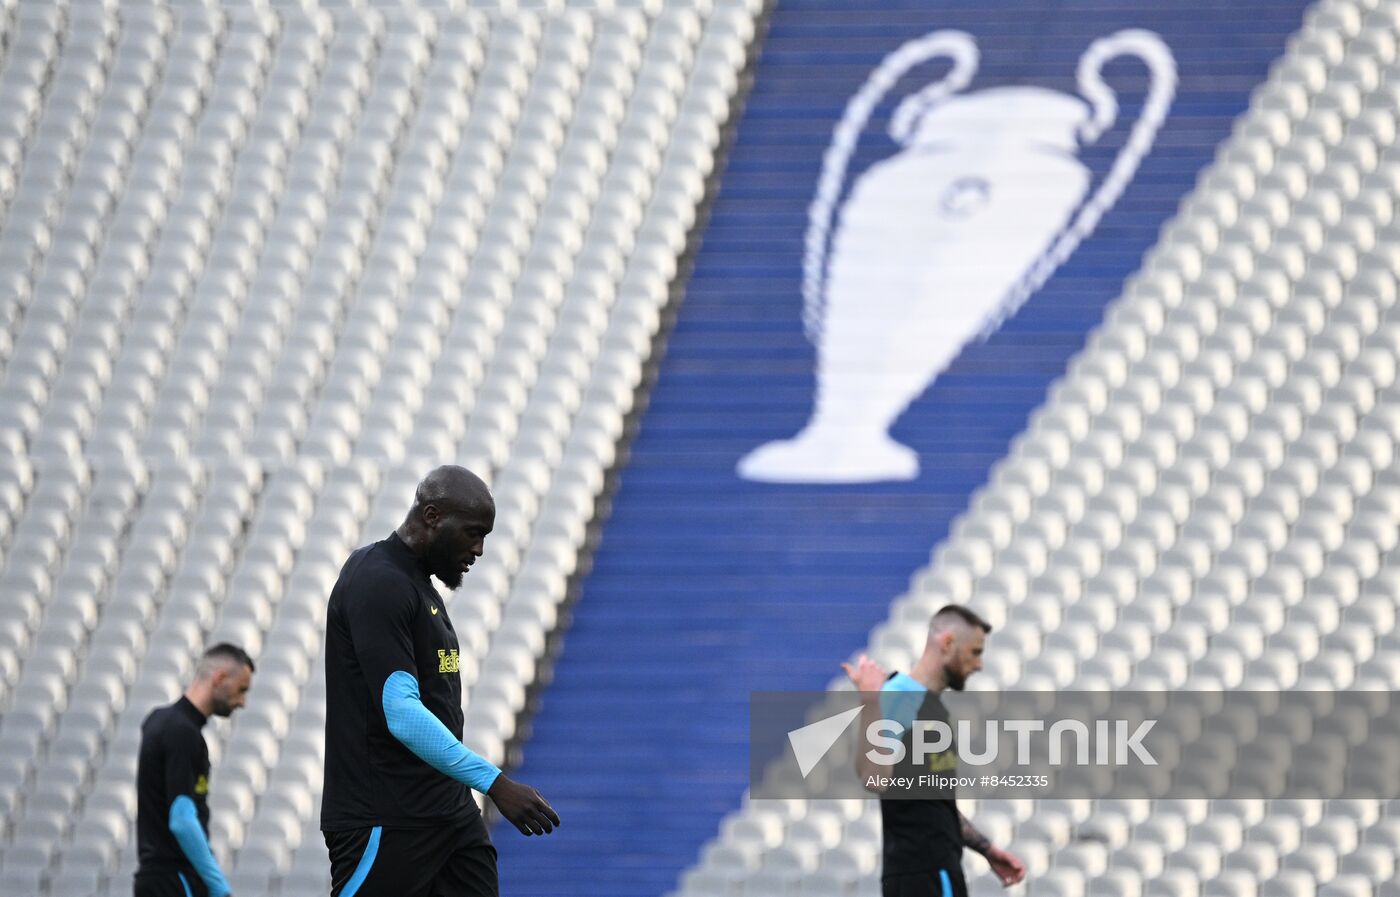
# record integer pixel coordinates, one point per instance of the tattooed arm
(972, 838)
(1007, 866)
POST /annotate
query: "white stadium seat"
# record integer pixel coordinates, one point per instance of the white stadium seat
(265, 265)
(262, 264)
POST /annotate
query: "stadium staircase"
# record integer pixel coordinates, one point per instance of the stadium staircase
(1206, 500)
(705, 586)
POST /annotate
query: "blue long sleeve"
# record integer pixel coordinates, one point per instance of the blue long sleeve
(900, 699)
(184, 825)
(425, 735)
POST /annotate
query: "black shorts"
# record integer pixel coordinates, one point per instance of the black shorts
(942, 883)
(168, 884)
(453, 860)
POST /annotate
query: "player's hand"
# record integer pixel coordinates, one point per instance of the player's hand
(523, 807)
(866, 675)
(1006, 865)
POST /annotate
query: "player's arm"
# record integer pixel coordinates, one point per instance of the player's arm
(868, 678)
(183, 817)
(424, 734)
(382, 633)
(866, 769)
(972, 838)
(1005, 864)
(883, 697)
(415, 726)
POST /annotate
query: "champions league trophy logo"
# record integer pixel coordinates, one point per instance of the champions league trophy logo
(941, 242)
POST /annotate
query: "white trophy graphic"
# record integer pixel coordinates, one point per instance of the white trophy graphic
(938, 244)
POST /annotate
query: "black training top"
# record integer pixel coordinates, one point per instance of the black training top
(923, 835)
(174, 762)
(385, 616)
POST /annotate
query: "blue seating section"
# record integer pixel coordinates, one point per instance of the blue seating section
(707, 585)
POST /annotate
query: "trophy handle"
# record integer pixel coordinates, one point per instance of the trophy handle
(956, 45)
(1161, 68)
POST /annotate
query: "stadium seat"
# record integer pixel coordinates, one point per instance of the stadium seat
(260, 257)
(266, 263)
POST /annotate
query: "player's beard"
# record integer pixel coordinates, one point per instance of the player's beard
(954, 679)
(441, 563)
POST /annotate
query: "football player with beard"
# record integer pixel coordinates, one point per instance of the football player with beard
(924, 837)
(397, 813)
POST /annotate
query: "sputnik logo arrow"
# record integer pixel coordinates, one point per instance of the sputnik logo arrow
(811, 742)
